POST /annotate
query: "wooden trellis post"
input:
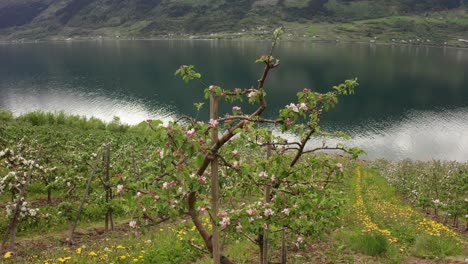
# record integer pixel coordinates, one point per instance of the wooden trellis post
(215, 183)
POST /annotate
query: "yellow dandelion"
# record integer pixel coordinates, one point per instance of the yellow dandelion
(78, 251)
(62, 260)
(92, 254)
(8, 255)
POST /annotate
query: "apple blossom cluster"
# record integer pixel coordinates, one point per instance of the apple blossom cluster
(19, 169)
(24, 210)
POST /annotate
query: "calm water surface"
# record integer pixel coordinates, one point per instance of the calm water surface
(412, 102)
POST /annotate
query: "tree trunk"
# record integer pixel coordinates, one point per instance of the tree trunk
(49, 196)
(191, 200)
(14, 221)
(261, 245)
(85, 195)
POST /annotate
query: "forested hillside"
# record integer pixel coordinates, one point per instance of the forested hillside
(437, 20)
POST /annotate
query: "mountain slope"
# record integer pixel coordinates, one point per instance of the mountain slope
(38, 19)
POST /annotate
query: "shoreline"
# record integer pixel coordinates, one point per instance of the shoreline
(240, 39)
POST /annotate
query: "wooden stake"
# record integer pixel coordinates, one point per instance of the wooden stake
(264, 259)
(215, 183)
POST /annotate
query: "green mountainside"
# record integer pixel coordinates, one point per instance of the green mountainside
(434, 21)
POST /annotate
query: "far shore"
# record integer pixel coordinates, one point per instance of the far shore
(235, 37)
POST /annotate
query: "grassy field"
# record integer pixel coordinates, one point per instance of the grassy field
(374, 225)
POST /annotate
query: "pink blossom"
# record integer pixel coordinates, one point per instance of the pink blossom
(303, 106)
(139, 194)
(285, 211)
(202, 179)
(212, 88)
(133, 224)
(265, 226)
(269, 212)
(213, 123)
(252, 94)
(251, 219)
(239, 227)
(263, 174)
(300, 239)
(156, 198)
(235, 165)
(225, 222)
(340, 166)
(293, 107)
(306, 90)
(222, 214)
(190, 133)
(235, 152)
(251, 211)
(165, 185)
(321, 188)
(273, 178)
(236, 108)
(120, 188)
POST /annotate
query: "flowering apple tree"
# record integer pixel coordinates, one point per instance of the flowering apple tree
(259, 194)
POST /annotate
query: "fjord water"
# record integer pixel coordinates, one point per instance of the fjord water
(412, 101)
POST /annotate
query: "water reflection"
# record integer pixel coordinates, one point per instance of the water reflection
(394, 114)
(422, 135)
(83, 103)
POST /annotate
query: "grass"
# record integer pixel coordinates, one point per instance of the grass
(239, 252)
(388, 228)
(157, 245)
(376, 225)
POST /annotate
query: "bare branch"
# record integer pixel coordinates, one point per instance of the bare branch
(326, 148)
(249, 238)
(257, 120)
(198, 247)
